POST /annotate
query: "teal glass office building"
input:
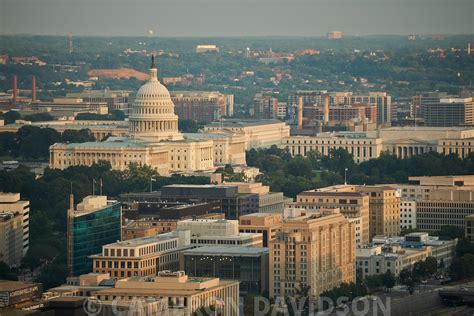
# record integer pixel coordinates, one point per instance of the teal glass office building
(92, 230)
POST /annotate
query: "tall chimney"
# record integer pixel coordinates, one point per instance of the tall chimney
(326, 109)
(300, 112)
(33, 88)
(15, 88)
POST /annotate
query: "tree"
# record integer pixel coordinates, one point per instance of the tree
(408, 278)
(373, 282)
(388, 279)
(77, 136)
(6, 273)
(463, 247)
(188, 126)
(420, 270)
(450, 232)
(10, 117)
(431, 265)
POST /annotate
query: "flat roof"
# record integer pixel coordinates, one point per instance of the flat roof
(143, 240)
(10, 286)
(243, 123)
(325, 193)
(227, 251)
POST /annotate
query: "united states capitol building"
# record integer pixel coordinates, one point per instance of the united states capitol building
(153, 139)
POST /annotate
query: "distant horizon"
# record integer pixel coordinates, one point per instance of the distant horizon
(235, 18)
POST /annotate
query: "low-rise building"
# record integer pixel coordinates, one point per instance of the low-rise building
(14, 293)
(184, 294)
(219, 232)
(141, 256)
(248, 265)
(397, 253)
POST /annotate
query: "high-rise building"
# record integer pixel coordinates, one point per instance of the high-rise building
(449, 112)
(384, 210)
(265, 107)
(267, 224)
(94, 222)
(202, 106)
(14, 228)
(352, 204)
(316, 250)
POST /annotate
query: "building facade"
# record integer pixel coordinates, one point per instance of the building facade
(93, 223)
(14, 228)
(317, 250)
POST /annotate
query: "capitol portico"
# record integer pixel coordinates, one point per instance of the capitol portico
(154, 140)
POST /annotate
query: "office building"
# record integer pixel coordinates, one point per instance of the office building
(94, 222)
(141, 256)
(248, 265)
(184, 294)
(266, 224)
(221, 232)
(384, 210)
(449, 112)
(265, 107)
(407, 214)
(115, 99)
(397, 253)
(14, 228)
(233, 203)
(444, 206)
(361, 147)
(258, 133)
(147, 227)
(201, 106)
(15, 293)
(353, 205)
(144, 205)
(317, 250)
(268, 202)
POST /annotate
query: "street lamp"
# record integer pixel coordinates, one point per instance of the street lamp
(345, 175)
(151, 183)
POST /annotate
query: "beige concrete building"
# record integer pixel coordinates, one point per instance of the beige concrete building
(384, 210)
(352, 204)
(185, 294)
(258, 133)
(141, 256)
(14, 228)
(267, 224)
(219, 232)
(445, 206)
(316, 249)
(153, 139)
(397, 253)
(402, 141)
(268, 202)
(361, 147)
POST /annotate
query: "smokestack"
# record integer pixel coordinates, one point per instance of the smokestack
(15, 88)
(300, 112)
(33, 88)
(469, 49)
(326, 109)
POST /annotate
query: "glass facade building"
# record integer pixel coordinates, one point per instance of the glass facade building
(249, 265)
(92, 230)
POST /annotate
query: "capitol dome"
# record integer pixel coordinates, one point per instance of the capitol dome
(152, 116)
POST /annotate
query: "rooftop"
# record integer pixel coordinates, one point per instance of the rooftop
(9, 286)
(227, 251)
(243, 123)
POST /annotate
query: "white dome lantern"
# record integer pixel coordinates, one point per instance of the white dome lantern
(152, 116)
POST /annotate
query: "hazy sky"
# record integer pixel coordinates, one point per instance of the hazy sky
(235, 17)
